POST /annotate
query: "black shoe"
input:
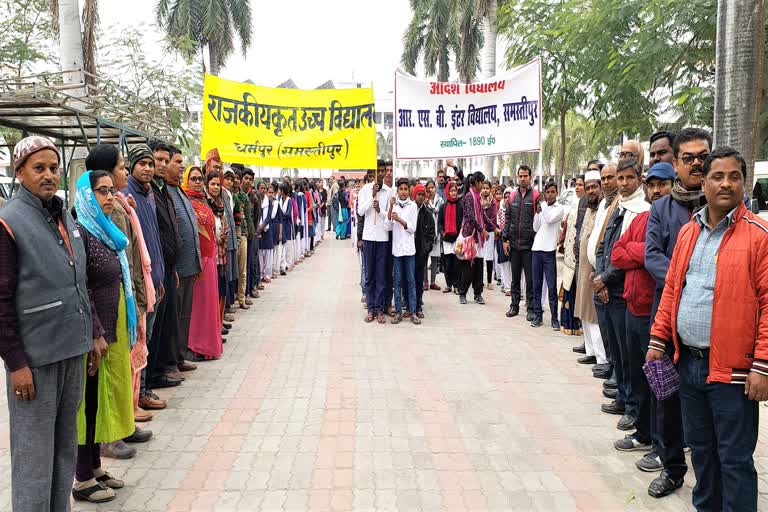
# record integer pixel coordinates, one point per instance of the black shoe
(555, 325)
(581, 349)
(530, 316)
(283, 273)
(664, 485)
(537, 322)
(224, 332)
(610, 394)
(139, 436)
(479, 299)
(164, 382)
(587, 360)
(650, 463)
(626, 423)
(611, 383)
(462, 299)
(602, 367)
(513, 311)
(612, 408)
(226, 325)
(603, 374)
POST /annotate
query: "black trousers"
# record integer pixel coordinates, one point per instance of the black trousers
(638, 329)
(451, 267)
(419, 275)
(184, 314)
(520, 261)
(162, 345)
(471, 273)
(667, 420)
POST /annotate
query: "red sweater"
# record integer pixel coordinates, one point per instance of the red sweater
(629, 255)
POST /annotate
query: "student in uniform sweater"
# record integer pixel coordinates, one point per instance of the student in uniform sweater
(425, 238)
(266, 244)
(401, 220)
(546, 223)
(286, 221)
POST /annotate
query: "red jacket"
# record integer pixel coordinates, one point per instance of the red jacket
(739, 336)
(629, 255)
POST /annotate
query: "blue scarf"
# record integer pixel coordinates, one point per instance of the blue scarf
(90, 216)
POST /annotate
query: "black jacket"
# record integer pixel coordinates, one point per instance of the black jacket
(425, 233)
(441, 221)
(612, 277)
(518, 221)
(170, 240)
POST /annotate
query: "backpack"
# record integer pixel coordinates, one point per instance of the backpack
(335, 201)
(535, 198)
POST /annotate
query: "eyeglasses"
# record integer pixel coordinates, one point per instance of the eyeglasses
(627, 154)
(104, 191)
(196, 179)
(689, 159)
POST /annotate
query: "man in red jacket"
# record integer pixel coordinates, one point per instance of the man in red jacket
(629, 255)
(712, 311)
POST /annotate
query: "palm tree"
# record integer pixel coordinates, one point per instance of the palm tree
(486, 10)
(206, 23)
(384, 145)
(738, 71)
(427, 37)
(66, 15)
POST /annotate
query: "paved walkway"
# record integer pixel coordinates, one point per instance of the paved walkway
(311, 409)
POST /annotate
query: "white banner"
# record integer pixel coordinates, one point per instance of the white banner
(436, 120)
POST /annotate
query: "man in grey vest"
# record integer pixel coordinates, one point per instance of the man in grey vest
(45, 329)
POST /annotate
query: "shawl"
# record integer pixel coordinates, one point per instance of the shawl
(491, 210)
(90, 216)
(204, 214)
(634, 205)
(689, 198)
(478, 213)
(146, 260)
(450, 211)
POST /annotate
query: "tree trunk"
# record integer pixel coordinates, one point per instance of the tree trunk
(561, 160)
(442, 65)
(738, 77)
(213, 55)
(491, 29)
(70, 40)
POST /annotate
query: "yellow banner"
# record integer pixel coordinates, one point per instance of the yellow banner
(326, 128)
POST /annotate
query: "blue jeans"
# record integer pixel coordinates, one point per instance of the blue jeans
(544, 265)
(720, 425)
(405, 266)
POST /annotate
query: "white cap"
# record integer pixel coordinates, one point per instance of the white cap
(592, 175)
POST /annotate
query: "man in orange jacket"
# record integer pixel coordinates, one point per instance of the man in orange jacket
(711, 312)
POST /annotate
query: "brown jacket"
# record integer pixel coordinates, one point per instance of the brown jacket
(585, 306)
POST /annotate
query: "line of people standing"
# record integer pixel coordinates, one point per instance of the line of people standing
(103, 305)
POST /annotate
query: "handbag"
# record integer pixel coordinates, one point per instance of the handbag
(466, 247)
(663, 378)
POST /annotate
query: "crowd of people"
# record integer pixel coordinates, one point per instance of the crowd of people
(145, 275)
(663, 262)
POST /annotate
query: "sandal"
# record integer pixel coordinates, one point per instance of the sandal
(97, 493)
(110, 481)
(369, 318)
(380, 318)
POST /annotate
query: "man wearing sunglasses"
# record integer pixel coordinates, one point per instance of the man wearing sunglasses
(690, 148)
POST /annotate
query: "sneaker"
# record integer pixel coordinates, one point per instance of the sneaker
(537, 322)
(108, 480)
(489, 286)
(630, 443)
(139, 436)
(555, 325)
(462, 299)
(479, 299)
(398, 318)
(513, 311)
(530, 316)
(650, 463)
(415, 320)
(93, 492)
(117, 450)
(420, 314)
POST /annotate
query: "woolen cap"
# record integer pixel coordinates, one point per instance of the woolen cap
(136, 153)
(28, 146)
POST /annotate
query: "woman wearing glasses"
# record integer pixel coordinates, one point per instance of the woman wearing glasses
(205, 327)
(106, 413)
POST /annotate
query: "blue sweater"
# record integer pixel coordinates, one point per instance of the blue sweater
(188, 262)
(145, 210)
(666, 218)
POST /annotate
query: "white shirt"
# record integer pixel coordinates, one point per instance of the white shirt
(600, 219)
(547, 227)
(374, 231)
(403, 243)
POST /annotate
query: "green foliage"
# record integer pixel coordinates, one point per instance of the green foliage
(26, 37)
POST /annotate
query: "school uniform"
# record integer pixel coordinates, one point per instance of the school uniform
(404, 254)
(286, 221)
(266, 243)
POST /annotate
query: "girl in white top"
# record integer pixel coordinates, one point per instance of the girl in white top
(435, 202)
(401, 219)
